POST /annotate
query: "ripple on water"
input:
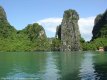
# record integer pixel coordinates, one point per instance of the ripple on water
(87, 71)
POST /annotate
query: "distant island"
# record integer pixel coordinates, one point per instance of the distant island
(67, 38)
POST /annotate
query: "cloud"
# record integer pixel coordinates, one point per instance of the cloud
(50, 25)
(85, 26)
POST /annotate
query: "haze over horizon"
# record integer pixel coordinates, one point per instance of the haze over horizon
(50, 13)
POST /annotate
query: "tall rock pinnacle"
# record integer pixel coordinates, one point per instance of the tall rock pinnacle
(68, 32)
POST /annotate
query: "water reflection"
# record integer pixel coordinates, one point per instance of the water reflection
(68, 64)
(51, 72)
(101, 66)
(22, 65)
(53, 66)
(87, 71)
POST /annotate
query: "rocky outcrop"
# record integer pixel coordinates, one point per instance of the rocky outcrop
(70, 35)
(6, 29)
(35, 31)
(58, 32)
(31, 38)
(2, 15)
(68, 32)
(100, 26)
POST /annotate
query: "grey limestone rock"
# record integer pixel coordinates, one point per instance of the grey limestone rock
(68, 32)
(70, 35)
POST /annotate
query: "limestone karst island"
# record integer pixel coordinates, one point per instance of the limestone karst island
(53, 39)
(67, 38)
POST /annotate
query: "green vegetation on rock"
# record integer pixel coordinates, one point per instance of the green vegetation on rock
(99, 38)
(31, 38)
(67, 38)
(56, 44)
(100, 26)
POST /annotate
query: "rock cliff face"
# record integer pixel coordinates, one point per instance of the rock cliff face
(68, 31)
(100, 26)
(58, 32)
(70, 35)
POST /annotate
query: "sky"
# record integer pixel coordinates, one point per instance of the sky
(49, 13)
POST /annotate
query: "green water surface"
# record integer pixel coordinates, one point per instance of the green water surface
(53, 65)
